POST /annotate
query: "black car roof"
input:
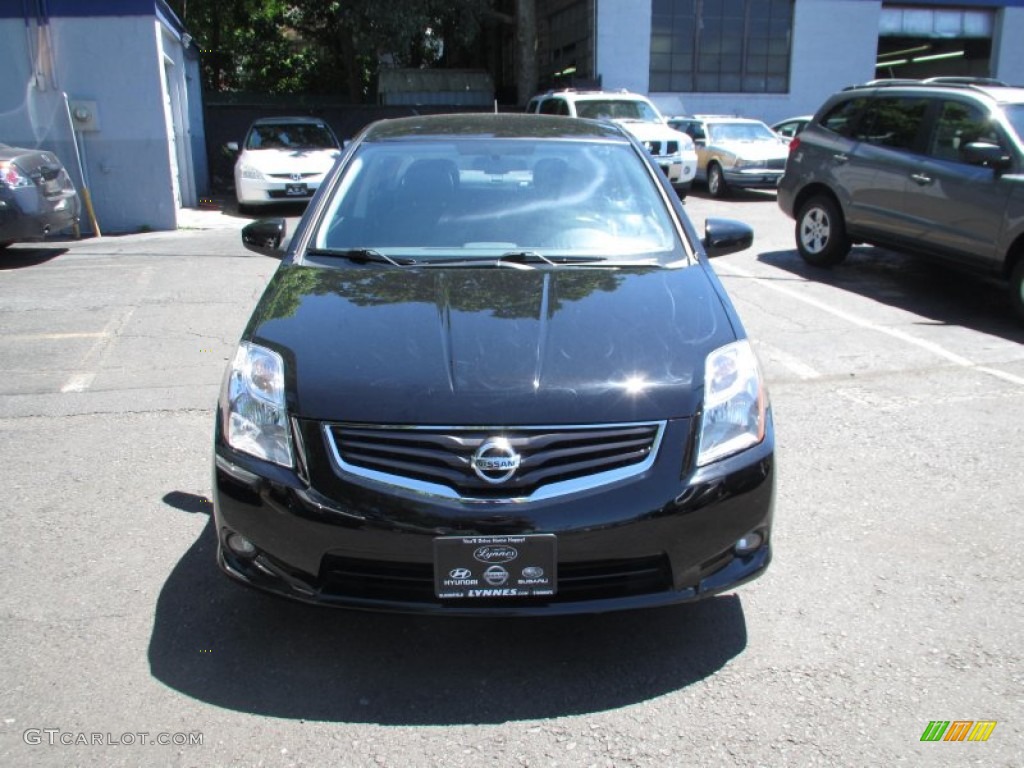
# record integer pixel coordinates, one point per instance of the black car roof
(495, 126)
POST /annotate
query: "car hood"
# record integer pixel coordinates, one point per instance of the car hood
(651, 131)
(755, 150)
(290, 160)
(492, 345)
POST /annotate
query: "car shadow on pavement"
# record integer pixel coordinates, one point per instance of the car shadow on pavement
(21, 257)
(232, 647)
(737, 194)
(941, 294)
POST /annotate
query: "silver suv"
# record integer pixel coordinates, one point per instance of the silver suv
(934, 167)
(672, 151)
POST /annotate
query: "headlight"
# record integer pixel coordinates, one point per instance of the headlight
(735, 402)
(248, 172)
(257, 420)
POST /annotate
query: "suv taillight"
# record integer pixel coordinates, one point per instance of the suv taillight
(793, 144)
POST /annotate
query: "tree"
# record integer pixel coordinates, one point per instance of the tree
(329, 46)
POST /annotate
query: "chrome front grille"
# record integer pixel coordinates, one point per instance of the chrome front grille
(658, 148)
(552, 460)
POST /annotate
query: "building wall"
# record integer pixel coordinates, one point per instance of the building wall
(1007, 48)
(835, 43)
(623, 53)
(125, 65)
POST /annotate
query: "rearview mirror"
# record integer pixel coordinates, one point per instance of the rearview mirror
(987, 154)
(265, 237)
(723, 236)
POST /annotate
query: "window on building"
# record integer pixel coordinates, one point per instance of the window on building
(728, 46)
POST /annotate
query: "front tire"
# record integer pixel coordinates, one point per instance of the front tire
(716, 181)
(1017, 289)
(821, 232)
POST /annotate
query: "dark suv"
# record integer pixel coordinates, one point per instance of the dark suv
(934, 167)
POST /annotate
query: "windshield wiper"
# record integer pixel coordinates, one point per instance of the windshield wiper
(532, 257)
(360, 256)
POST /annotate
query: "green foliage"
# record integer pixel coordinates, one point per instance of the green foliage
(327, 46)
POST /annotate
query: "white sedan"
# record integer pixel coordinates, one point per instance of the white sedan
(283, 159)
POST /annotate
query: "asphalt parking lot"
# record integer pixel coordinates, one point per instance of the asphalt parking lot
(893, 600)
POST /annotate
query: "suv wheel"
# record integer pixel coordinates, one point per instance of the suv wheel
(716, 181)
(821, 233)
(1017, 288)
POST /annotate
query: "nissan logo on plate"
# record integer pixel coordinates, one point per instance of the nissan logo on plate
(495, 461)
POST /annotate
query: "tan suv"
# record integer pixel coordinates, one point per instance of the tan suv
(934, 167)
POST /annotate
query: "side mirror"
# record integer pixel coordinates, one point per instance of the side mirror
(265, 237)
(987, 154)
(232, 146)
(724, 236)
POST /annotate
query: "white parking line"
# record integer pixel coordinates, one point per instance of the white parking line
(81, 380)
(895, 333)
(53, 336)
(797, 367)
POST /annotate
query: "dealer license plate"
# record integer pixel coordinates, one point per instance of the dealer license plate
(495, 566)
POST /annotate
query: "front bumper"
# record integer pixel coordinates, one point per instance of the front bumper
(268, 191)
(666, 536)
(752, 178)
(678, 171)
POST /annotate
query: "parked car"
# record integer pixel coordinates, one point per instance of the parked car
(283, 159)
(790, 127)
(673, 152)
(734, 152)
(494, 374)
(932, 167)
(37, 196)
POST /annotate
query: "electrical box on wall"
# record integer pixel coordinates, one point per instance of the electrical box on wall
(84, 115)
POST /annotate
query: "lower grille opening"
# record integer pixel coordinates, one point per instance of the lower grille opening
(414, 582)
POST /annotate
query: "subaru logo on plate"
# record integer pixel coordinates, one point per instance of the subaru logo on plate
(495, 461)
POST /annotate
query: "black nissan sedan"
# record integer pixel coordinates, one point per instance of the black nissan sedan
(494, 374)
(37, 196)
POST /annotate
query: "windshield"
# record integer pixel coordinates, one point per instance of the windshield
(741, 132)
(617, 109)
(485, 198)
(291, 136)
(1015, 116)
